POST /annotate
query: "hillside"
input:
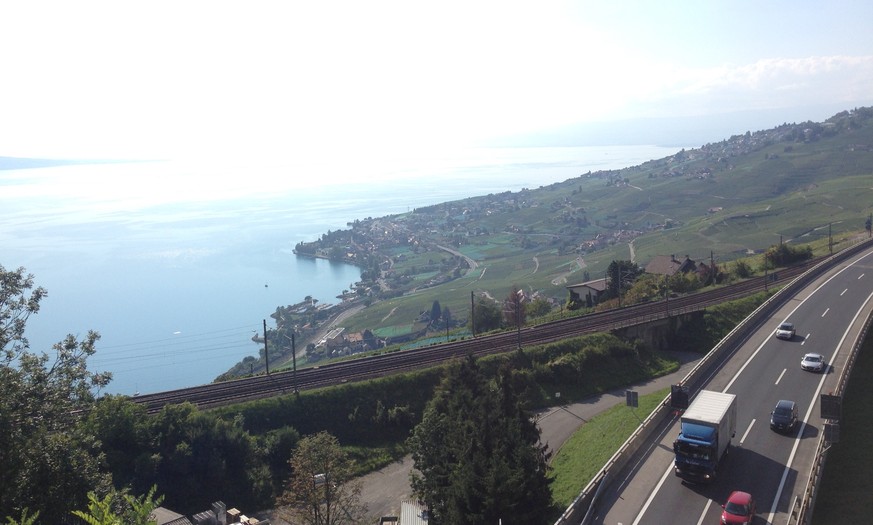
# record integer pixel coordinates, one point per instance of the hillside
(795, 183)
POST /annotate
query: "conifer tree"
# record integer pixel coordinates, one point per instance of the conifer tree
(477, 453)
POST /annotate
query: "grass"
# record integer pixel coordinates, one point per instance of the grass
(847, 482)
(587, 451)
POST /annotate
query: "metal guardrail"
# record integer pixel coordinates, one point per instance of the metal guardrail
(579, 509)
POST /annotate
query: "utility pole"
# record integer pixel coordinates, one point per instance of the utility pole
(830, 239)
(519, 304)
(667, 294)
(472, 314)
(266, 354)
(294, 361)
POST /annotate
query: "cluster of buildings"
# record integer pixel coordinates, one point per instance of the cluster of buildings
(667, 265)
(219, 514)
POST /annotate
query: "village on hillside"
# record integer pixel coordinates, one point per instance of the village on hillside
(410, 252)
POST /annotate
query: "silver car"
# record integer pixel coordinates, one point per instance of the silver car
(785, 331)
(813, 362)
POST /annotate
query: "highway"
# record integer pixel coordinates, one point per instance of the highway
(773, 467)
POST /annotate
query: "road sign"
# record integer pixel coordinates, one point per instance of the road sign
(678, 397)
(831, 406)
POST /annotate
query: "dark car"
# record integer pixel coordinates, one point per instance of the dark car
(738, 509)
(783, 418)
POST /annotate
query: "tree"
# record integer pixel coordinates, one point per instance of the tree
(538, 307)
(477, 453)
(742, 269)
(201, 456)
(513, 307)
(783, 255)
(647, 288)
(621, 275)
(486, 315)
(435, 311)
(319, 491)
(279, 445)
(119, 508)
(48, 460)
(447, 316)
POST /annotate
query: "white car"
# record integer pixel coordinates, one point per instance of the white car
(785, 331)
(813, 362)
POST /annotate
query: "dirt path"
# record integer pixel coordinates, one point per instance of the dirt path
(562, 279)
(389, 314)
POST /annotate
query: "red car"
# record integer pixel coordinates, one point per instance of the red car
(739, 509)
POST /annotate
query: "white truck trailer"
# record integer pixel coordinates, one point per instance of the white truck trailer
(707, 428)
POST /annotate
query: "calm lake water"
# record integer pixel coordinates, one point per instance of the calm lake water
(177, 264)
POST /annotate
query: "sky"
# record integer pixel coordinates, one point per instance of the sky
(194, 79)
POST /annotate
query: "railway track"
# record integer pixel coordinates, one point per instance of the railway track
(381, 365)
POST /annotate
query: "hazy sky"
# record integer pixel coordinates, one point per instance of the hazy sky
(158, 79)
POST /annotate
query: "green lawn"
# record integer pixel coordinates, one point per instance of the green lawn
(588, 450)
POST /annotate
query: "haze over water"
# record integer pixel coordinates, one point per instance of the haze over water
(177, 264)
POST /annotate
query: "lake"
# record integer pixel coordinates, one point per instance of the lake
(177, 264)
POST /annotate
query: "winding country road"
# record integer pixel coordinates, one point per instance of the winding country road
(473, 264)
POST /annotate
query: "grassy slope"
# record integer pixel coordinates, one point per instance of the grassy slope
(588, 450)
(767, 196)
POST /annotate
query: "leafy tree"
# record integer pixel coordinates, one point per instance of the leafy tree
(514, 307)
(784, 254)
(26, 518)
(486, 315)
(319, 491)
(48, 461)
(647, 288)
(118, 508)
(278, 446)
(122, 427)
(681, 282)
(477, 453)
(538, 307)
(201, 457)
(742, 269)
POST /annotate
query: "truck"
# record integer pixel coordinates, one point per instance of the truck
(707, 427)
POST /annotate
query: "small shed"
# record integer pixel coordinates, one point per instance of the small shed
(413, 513)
